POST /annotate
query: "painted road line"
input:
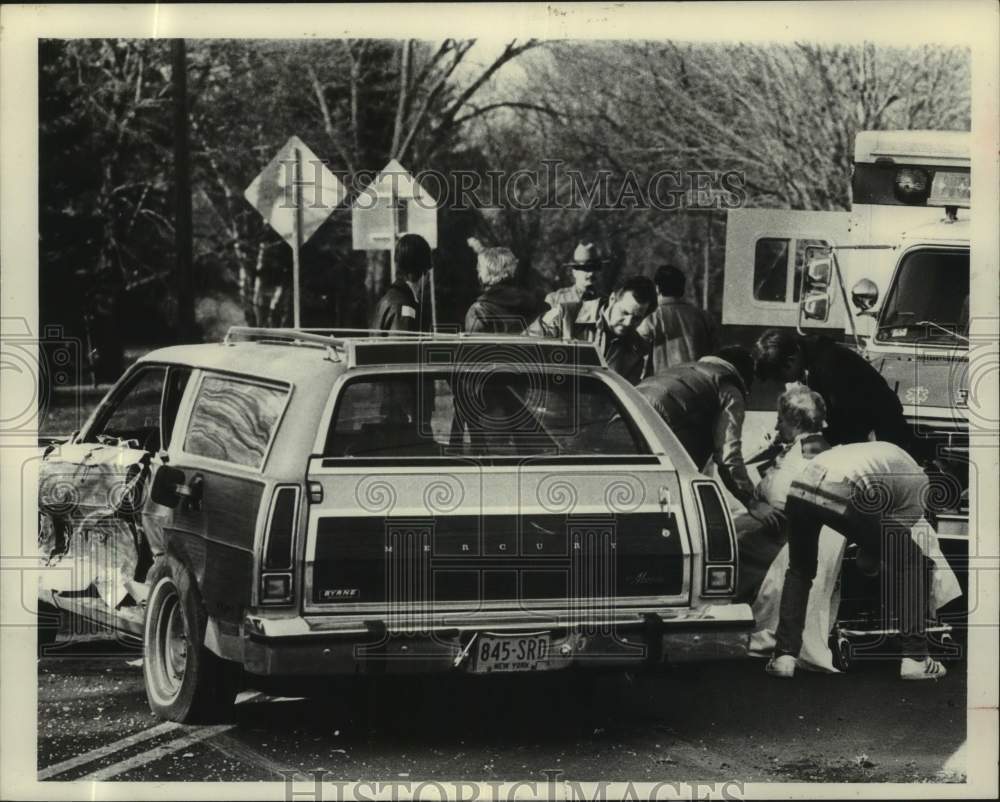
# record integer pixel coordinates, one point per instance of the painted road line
(107, 749)
(234, 749)
(156, 753)
(125, 743)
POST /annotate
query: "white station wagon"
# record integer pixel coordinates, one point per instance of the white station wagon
(299, 503)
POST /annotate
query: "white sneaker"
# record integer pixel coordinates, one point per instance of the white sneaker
(782, 665)
(928, 668)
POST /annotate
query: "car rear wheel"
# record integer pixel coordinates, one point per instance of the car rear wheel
(185, 682)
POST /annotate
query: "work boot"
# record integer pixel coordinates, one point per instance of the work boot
(781, 665)
(927, 668)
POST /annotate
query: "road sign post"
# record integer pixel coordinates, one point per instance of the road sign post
(276, 193)
(297, 241)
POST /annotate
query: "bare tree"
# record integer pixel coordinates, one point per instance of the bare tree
(418, 88)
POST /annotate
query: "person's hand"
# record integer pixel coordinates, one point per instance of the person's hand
(766, 514)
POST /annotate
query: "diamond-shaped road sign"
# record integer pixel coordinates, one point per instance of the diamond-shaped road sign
(273, 191)
(394, 203)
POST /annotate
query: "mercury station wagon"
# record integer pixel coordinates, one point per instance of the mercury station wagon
(294, 503)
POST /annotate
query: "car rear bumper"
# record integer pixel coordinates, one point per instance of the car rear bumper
(330, 645)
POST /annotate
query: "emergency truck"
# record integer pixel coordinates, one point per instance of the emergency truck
(891, 278)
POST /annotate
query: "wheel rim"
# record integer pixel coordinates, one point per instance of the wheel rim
(167, 646)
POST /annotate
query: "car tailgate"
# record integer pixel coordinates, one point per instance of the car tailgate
(452, 533)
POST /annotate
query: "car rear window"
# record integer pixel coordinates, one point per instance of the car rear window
(487, 413)
(233, 420)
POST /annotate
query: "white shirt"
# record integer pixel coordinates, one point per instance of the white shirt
(775, 484)
(882, 469)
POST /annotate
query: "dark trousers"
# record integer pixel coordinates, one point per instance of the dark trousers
(814, 502)
(758, 545)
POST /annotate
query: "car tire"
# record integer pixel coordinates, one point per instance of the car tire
(185, 682)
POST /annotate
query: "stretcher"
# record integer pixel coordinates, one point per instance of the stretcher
(863, 631)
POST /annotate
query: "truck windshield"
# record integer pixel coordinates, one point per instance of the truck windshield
(929, 299)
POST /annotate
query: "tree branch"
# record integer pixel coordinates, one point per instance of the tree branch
(507, 104)
(459, 53)
(328, 126)
(405, 56)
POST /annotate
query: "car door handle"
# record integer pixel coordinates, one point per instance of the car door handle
(192, 491)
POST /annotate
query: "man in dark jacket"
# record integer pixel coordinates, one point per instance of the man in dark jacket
(858, 400)
(676, 331)
(608, 322)
(704, 404)
(399, 309)
(502, 307)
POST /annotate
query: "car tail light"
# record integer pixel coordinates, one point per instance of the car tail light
(718, 539)
(719, 578)
(276, 567)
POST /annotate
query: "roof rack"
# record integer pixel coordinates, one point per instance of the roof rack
(366, 347)
(291, 336)
(338, 337)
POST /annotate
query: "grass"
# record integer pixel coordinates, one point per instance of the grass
(67, 409)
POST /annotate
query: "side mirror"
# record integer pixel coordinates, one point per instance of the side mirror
(819, 269)
(814, 302)
(165, 484)
(864, 295)
(816, 306)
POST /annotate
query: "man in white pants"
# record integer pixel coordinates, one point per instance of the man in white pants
(872, 494)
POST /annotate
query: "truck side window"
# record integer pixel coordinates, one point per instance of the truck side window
(770, 269)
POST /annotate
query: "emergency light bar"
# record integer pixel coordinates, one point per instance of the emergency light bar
(950, 189)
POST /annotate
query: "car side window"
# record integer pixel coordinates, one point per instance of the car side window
(233, 420)
(177, 381)
(134, 418)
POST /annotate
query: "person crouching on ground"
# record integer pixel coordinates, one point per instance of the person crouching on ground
(872, 493)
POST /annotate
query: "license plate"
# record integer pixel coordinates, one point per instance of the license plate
(511, 653)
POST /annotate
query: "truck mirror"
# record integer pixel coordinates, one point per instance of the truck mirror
(819, 267)
(814, 302)
(864, 294)
(816, 306)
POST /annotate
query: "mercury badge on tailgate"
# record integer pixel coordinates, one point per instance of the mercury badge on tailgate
(329, 504)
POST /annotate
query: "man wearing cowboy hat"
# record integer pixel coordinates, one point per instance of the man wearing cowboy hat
(586, 267)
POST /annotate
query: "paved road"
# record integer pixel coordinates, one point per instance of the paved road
(724, 721)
